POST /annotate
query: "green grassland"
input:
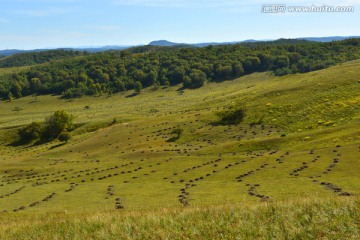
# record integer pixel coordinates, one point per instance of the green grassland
(296, 168)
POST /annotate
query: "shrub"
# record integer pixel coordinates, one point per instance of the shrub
(64, 137)
(177, 132)
(233, 115)
(31, 132)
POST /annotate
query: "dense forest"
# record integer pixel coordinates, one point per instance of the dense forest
(33, 58)
(147, 66)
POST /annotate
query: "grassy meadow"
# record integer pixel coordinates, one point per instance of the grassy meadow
(290, 170)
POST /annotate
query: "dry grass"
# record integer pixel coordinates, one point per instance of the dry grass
(297, 219)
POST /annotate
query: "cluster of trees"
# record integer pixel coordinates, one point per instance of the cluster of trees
(142, 67)
(56, 126)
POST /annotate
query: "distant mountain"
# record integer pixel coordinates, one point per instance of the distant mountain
(102, 49)
(165, 43)
(327, 39)
(9, 52)
(226, 43)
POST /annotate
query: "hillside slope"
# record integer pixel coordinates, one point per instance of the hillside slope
(307, 145)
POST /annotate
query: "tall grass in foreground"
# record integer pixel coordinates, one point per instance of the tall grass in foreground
(299, 219)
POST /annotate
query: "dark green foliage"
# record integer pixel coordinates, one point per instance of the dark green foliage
(59, 122)
(10, 96)
(137, 87)
(56, 126)
(64, 137)
(196, 79)
(31, 132)
(177, 132)
(32, 58)
(282, 71)
(147, 66)
(233, 115)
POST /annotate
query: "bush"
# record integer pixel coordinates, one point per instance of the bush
(64, 137)
(31, 132)
(177, 132)
(233, 115)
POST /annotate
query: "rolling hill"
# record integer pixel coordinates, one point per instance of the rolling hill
(291, 166)
(165, 43)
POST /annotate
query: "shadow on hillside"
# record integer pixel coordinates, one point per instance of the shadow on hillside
(18, 143)
(218, 123)
(132, 95)
(173, 139)
(57, 145)
(180, 89)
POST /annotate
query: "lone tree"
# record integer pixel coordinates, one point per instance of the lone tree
(59, 122)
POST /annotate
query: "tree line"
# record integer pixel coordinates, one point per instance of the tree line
(148, 66)
(33, 58)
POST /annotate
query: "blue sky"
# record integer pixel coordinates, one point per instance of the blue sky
(29, 24)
